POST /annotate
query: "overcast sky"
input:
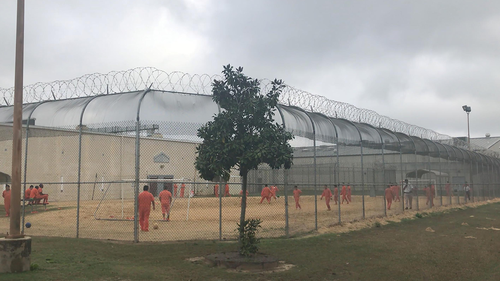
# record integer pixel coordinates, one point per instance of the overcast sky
(416, 61)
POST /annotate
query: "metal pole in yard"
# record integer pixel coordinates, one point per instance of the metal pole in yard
(285, 188)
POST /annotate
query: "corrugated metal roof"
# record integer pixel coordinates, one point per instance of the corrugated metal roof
(485, 142)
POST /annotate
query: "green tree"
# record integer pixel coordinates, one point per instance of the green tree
(244, 134)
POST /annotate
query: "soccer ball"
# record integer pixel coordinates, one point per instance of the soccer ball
(28, 225)
(155, 226)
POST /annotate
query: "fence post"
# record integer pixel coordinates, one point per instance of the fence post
(220, 209)
(137, 165)
(285, 183)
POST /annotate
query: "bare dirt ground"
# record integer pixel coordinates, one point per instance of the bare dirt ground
(202, 220)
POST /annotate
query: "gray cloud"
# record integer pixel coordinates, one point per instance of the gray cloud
(417, 61)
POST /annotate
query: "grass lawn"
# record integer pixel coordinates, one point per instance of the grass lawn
(397, 251)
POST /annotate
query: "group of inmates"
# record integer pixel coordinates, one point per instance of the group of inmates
(226, 191)
(345, 192)
(33, 195)
(392, 194)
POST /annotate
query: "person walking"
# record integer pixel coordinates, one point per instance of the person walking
(408, 194)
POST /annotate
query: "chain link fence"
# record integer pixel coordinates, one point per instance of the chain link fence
(94, 174)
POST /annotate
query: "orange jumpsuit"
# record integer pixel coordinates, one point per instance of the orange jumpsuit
(6, 202)
(175, 190)
(183, 188)
(327, 193)
(447, 187)
(296, 196)
(39, 196)
(33, 195)
(343, 192)
(145, 199)
(335, 195)
(395, 193)
(27, 194)
(274, 189)
(266, 194)
(388, 197)
(427, 194)
(216, 190)
(226, 190)
(165, 199)
(349, 193)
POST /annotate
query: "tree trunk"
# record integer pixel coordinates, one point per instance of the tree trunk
(243, 203)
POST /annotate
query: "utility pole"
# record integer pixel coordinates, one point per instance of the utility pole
(15, 215)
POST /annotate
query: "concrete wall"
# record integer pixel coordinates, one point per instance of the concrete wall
(53, 160)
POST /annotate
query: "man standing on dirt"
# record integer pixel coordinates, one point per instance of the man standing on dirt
(183, 188)
(216, 190)
(296, 196)
(6, 200)
(433, 194)
(335, 194)
(467, 191)
(395, 192)
(265, 194)
(226, 191)
(343, 192)
(274, 190)
(388, 196)
(408, 193)
(327, 193)
(165, 201)
(145, 201)
(175, 190)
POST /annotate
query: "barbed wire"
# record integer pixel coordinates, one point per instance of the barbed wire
(143, 77)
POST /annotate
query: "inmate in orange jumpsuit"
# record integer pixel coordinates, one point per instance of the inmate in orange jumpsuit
(6, 201)
(349, 193)
(183, 188)
(39, 196)
(165, 199)
(145, 200)
(447, 187)
(343, 192)
(33, 195)
(395, 193)
(335, 195)
(216, 190)
(427, 190)
(265, 194)
(175, 190)
(226, 190)
(388, 197)
(327, 193)
(296, 196)
(274, 190)
(27, 193)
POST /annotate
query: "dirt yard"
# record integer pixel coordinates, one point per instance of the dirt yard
(114, 219)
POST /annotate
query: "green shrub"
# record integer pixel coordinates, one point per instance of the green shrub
(34, 266)
(419, 215)
(247, 237)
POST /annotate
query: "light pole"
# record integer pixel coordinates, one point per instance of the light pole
(467, 109)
